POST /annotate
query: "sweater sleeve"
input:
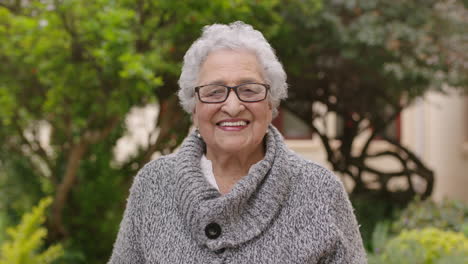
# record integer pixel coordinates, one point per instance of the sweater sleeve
(127, 248)
(349, 248)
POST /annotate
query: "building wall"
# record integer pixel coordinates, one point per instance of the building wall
(437, 128)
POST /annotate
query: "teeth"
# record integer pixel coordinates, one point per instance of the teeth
(238, 123)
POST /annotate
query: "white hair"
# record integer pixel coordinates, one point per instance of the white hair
(235, 36)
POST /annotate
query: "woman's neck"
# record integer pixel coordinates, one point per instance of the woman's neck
(229, 168)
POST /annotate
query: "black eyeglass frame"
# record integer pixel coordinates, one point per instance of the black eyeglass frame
(267, 87)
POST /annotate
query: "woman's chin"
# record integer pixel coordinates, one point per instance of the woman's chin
(234, 145)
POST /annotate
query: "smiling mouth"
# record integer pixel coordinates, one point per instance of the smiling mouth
(233, 124)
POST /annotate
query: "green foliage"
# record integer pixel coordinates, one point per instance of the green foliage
(370, 212)
(450, 215)
(96, 207)
(380, 236)
(379, 38)
(425, 232)
(27, 240)
(453, 259)
(20, 188)
(425, 246)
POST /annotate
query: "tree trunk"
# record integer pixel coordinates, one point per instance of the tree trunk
(75, 156)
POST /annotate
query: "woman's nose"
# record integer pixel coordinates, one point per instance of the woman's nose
(233, 106)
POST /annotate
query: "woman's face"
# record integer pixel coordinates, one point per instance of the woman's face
(232, 126)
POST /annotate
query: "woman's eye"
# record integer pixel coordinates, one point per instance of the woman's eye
(249, 91)
(216, 92)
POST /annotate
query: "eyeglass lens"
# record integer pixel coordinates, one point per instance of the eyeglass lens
(249, 92)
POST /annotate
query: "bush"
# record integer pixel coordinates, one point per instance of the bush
(27, 239)
(425, 233)
(446, 215)
(424, 246)
(371, 210)
(380, 236)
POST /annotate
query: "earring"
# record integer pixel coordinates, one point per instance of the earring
(197, 133)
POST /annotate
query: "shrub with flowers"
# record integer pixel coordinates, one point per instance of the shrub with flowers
(426, 232)
(424, 246)
(446, 215)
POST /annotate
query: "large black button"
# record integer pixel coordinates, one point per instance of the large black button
(212, 230)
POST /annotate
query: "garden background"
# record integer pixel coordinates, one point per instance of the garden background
(74, 73)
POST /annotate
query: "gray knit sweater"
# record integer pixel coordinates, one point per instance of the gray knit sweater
(286, 210)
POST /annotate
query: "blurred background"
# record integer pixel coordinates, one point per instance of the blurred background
(378, 94)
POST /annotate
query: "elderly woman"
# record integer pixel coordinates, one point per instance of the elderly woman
(234, 192)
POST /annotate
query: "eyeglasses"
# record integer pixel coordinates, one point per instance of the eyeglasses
(246, 92)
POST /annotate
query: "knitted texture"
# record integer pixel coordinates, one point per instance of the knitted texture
(286, 210)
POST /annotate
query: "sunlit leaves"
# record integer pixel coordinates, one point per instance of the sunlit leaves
(28, 238)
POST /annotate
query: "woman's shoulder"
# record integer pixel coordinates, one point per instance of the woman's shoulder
(314, 186)
(311, 174)
(158, 167)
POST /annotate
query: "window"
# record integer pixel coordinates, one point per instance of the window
(291, 126)
(392, 131)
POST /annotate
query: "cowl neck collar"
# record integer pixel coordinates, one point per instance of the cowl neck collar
(246, 210)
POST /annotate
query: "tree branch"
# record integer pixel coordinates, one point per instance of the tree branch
(73, 161)
(422, 170)
(378, 129)
(403, 162)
